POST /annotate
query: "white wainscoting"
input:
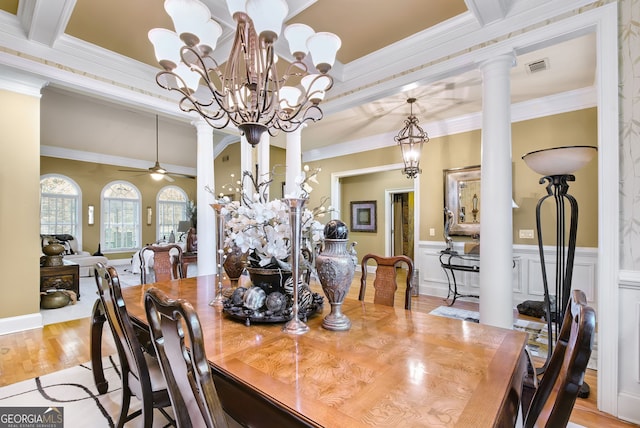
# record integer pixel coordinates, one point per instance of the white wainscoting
(629, 347)
(527, 274)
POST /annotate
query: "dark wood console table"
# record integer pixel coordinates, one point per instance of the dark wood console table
(451, 261)
(65, 277)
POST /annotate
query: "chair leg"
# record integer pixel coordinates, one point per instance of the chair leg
(147, 412)
(126, 400)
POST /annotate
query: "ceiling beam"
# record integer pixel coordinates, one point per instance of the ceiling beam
(45, 20)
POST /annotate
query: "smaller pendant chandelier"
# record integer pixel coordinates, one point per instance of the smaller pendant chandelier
(410, 138)
(247, 89)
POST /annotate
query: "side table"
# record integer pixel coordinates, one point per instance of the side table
(65, 277)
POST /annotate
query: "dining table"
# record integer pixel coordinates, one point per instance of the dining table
(392, 368)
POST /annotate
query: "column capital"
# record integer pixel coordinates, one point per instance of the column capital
(507, 58)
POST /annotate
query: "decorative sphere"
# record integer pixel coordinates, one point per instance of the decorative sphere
(305, 299)
(336, 229)
(276, 302)
(238, 295)
(254, 298)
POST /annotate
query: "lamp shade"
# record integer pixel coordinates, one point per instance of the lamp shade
(559, 160)
(289, 97)
(267, 16)
(208, 33)
(187, 14)
(297, 36)
(166, 45)
(324, 47)
(237, 6)
(315, 86)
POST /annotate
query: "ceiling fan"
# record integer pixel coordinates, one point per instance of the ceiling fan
(157, 172)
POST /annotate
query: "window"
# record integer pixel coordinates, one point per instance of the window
(121, 216)
(59, 206)
(172, 209)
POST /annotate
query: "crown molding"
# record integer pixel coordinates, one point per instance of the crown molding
(80, 155)
(449, 48)
(541, 107)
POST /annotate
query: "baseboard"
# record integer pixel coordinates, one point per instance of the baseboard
(20, 323)
(629, 407)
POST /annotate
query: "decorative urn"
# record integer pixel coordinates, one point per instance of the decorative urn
(335, 266)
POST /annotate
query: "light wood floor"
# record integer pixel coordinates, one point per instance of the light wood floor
(32, 353)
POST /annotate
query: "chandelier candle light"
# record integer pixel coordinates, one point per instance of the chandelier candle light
(246, 90)
(410, 139)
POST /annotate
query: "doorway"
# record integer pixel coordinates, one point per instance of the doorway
(401, 223)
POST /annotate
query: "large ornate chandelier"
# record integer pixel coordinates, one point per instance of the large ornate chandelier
(246, 90)
(410, 139)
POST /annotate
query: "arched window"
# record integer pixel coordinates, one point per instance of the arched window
(120, 230)
(172, 209)
(59, 206)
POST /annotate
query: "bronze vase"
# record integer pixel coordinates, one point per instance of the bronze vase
(335, 269)
(234, 263)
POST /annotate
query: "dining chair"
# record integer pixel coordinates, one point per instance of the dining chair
(186, 369)
(167, 262)
(140, 372)
(385, 283)
(556, 394)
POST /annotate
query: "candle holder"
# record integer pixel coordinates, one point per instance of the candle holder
(218, 300)
(296, 205)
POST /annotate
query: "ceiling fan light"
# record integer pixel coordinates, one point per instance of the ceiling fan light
(324, 47)
(187, 15)
(157, 176)
(166, 45)
(297, 36)
(267, 17)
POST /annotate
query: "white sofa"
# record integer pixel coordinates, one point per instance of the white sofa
(83, 258)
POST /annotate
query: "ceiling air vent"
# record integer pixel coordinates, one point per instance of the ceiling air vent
(537, 66)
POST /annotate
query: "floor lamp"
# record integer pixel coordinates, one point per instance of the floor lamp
(557, 166)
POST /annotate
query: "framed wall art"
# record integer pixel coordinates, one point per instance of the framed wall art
(363, 216)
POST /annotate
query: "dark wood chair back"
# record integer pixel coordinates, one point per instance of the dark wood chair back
(167, 262)
(186, 369)
(385, 283)
(141, 375)
(556, 394)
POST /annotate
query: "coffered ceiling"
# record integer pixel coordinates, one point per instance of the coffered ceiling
(390, 51)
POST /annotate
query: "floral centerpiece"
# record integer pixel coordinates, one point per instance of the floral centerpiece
(261, 227)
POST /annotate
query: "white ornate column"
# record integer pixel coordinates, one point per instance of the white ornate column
(206, 215)
(264, 168)
(293, 159)
(496, 216)
(246, 164)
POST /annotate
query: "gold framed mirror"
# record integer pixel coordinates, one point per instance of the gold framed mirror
(462, 198)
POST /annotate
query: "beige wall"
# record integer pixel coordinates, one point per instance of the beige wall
(459, 150)
(228, 162)
(19, 204)
(93, 177)
(370, 187)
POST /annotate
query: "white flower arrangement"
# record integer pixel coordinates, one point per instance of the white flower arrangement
(261, 227)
